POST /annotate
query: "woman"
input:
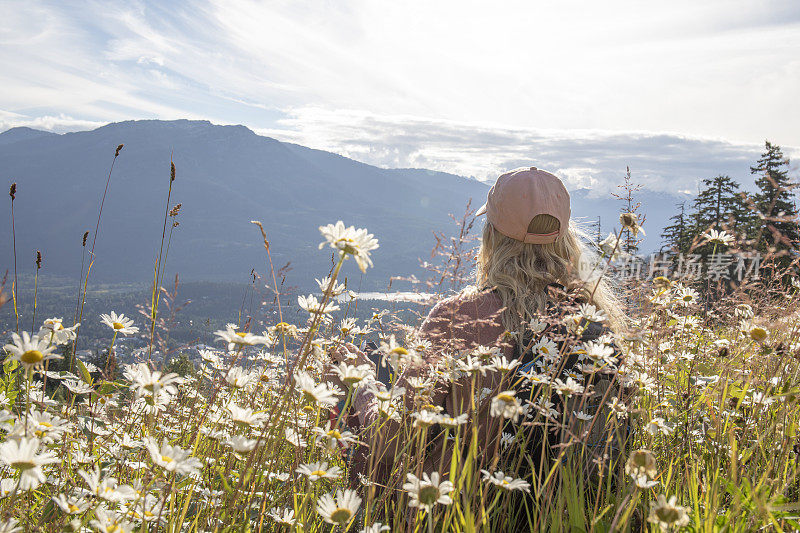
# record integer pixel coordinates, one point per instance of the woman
(534, 306)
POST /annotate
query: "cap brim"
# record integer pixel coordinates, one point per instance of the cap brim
(481, 211)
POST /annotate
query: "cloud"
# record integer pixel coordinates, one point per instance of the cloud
(55, 123)
(721, 68)
(585, 159)
(466, 87)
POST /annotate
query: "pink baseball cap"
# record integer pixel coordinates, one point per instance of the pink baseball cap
(520, 195)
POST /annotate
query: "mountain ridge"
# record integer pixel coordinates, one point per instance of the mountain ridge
(227, 175)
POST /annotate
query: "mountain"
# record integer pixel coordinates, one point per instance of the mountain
(22, 134)
(226, 177)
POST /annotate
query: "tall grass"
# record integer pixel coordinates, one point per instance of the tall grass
(690, 421)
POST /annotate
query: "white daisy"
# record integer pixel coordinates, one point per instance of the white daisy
(713, 236)
(108, 521)
(245, 416)
(313, 392)
(282, 516)
(352, 375)
(452, 422)
(668, 514)
(350, 241)
(238, 339)
(315, 471)
(335, 290)
(294, 438)
(425, 493)
(641, 466)
(70, 505)
(239, 378)
(145, 381)
(333, 437)
(397, 355)
(23, 455)
(54, 330)
(505, 482)
(119, 323)
(240, 443)
(31, 351)
(314, 306)
(341, 509)
(107, 488)
(424, 419)
(591, 313)
(658, 425)
(503, 364)
(172, 458)
(506, 405)
(567, 388)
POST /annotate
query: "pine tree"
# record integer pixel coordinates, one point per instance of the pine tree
(678, 235)
(776, 202)
(721, 206)
(181, 365)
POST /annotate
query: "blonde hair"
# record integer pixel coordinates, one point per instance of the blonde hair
(521, 272)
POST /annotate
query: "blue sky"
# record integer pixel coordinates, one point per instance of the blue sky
(677, 90)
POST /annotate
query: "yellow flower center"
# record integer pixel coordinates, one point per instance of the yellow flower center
(31, 357)
(167, 459)
(334, 434)
(758, 334)
(345, 244)
(73, 508)
(283, 327)
(241, 333)
(400, 350)
(668, 515)
(341, 515)
(117, 325)
(318, 473)
(506, 398)
(23, 465)
(428, 494)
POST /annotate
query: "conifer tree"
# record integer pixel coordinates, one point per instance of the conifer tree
(721, 206)
(678, 235)
(775, 201)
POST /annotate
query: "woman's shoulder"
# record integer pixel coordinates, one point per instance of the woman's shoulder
(469, 318)
(471, 302)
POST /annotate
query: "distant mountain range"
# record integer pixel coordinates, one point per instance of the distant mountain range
(226, 177)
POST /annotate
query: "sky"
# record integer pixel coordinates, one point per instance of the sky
(678, 91)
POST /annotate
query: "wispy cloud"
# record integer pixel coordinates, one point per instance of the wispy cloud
(467, 87)
(585, 159)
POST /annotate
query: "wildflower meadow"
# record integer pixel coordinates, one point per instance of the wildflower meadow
(686, 419)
